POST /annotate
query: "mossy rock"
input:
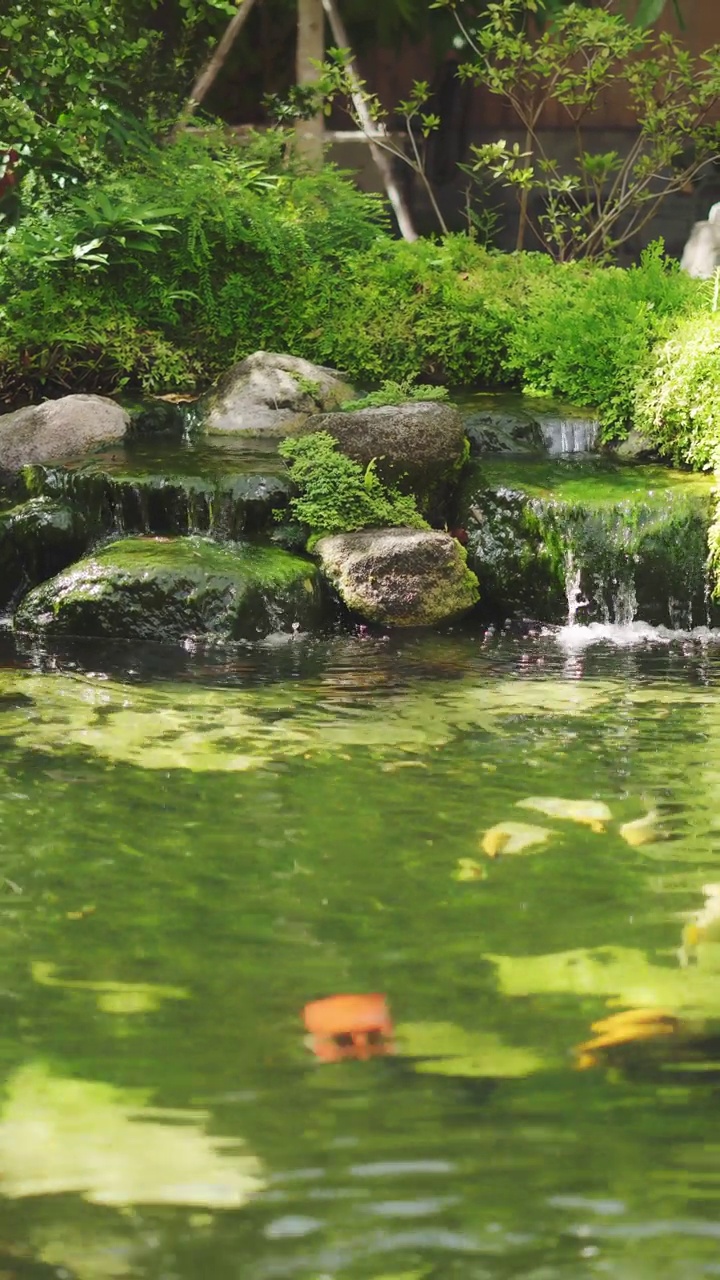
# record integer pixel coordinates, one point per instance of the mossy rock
(122, 499)
(420, 447)
(399, 577)
(624, 542)
(37, 539)
(169, 589)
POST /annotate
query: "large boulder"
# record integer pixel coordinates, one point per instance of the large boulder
(59, 429)
(269, 394)
(403, 577)
(174, 588)
(419, 446)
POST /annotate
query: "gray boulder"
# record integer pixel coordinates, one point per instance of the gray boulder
(58, 429)
(270, 394)
(420, 446)
(636, 448)
(402, 577)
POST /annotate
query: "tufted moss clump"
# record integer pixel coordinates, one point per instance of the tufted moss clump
(677, 404)
(338, 495)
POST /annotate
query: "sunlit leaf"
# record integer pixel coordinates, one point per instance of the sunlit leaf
(620, 975)
(513, 837)
(469, 869)
(448, 1050)
(590, 813)
(112, 997)
(645, 830)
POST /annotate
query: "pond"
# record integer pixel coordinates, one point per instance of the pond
(198, 843)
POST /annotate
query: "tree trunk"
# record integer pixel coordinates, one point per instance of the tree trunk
(310, 49)
(370, 127)
(214, 64)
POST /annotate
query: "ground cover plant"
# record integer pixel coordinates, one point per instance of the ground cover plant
(336, 494)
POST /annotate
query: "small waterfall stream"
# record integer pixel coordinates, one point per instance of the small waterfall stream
(589, 544)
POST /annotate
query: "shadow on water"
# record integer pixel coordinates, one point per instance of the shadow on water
(198, 843)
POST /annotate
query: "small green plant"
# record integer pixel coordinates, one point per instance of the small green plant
(309, 387)
(394, 393)
(337, 495)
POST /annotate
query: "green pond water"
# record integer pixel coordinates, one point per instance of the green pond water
(196, 844)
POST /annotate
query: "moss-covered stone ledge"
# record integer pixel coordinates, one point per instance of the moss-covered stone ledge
(170, 589)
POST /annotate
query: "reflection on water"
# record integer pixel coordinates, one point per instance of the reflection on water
(62, 1135)
(197, 846)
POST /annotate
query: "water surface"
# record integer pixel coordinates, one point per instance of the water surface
(195, 845)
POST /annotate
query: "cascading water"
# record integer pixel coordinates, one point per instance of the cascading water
(588, 544)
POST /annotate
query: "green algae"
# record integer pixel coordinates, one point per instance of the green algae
(175, 588)
(595, 482)
(618, 542)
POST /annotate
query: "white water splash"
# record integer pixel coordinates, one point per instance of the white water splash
(630, 635)
(624, 603)
(573, 593)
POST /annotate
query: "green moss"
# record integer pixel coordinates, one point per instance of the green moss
(611, 533)
(338, 495)
(595, 482)
(158, 588)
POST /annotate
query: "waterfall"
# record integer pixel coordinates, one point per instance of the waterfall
(573, 590)
(568, 435)
(588, 544)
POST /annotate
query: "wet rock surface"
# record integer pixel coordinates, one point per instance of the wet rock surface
(158, 589)
(517, 424)
(37, 539)
(401, 577)
(590, 543)
(269, 394)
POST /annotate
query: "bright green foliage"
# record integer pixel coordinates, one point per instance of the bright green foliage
(678, 401)
(200, 255)
(81, 79)
(337, 495)
(588, 332)
(425, 310)
(392, 393)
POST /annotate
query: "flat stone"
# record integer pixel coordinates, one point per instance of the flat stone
(402, 577)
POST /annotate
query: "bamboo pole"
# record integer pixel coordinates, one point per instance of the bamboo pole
(310, 51)
(212, 68)
(372, 129)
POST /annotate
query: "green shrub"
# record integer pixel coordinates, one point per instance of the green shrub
(337, 495)
(440, 312)
(588, 331)
(393, 393)
(678, 400)
(205, 251)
